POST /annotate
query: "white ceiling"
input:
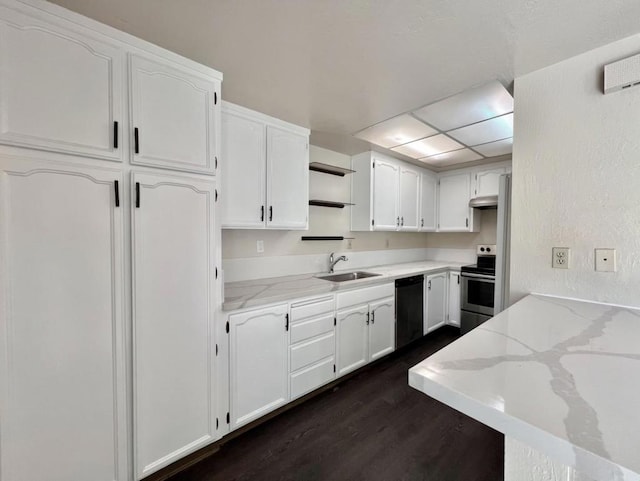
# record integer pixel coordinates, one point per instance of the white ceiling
(340, 66)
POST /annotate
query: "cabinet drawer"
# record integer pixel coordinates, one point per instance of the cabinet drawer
(363, 296)
(311, 308)
(309, 352)
(311, 328)
(312, 377)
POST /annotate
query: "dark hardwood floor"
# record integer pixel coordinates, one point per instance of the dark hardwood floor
(371, 427)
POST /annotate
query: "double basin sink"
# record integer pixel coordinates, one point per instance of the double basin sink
(347, 276)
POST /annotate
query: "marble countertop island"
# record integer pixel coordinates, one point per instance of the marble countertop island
(238, 295)
(560, 378)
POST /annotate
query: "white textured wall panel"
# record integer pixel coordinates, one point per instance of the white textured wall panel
(576, 179)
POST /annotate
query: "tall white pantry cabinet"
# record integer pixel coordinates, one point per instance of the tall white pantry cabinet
(109, 250)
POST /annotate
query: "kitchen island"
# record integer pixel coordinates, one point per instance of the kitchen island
(559, 377)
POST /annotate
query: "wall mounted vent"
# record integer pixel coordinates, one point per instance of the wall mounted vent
(622, 74)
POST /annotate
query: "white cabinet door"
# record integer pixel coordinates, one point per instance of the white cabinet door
(62, 325)
(454, 210)
(382, 328)
(435, 300)
(173, 323)
(454, 299)
(287, 179)
(428, 202)
(61, 91)
(385, 195)
(243, 169)
(352, 338)
(172, 113)
(488, 181)
(259, 371)
(409, 202)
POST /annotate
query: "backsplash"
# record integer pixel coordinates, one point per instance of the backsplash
(243, 269)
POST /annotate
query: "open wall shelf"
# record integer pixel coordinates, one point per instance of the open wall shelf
(329, 203)
(329, 169)
(324, 238)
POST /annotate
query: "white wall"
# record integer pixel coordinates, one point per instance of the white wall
(576, 179)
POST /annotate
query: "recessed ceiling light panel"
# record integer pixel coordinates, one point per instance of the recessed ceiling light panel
(429, 146)
(494, 149)
(396, 131)
(450, 158)
(491, 130)
(468, 107)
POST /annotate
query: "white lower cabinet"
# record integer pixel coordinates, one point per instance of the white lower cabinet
(366, 326)
(312, 345)
(382, 328)
(453, 316)
(173, 324)
(62, 348)
(258, 365)
(353, 338)
(435, 299)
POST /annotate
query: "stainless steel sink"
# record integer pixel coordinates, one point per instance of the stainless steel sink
(347, 276)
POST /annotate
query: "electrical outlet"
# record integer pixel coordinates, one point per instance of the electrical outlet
(605, 260)
(560, 258)
(349, 244)
(260, 246)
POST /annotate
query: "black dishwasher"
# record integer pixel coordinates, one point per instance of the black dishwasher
(409, 309)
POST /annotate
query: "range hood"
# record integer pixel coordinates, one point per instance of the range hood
(486, 202)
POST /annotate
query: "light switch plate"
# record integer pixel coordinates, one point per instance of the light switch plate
(260, 246)
(560, 257)
(605, 260)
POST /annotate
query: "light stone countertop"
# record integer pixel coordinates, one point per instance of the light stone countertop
(560, 375)
(239, 295)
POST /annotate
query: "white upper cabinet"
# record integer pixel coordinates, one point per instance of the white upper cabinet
(488, 181)
(173, 317)
(173, 112)
(61, 91)
(62, 329)
(265, 171)
(435, 301)
(454, 213)
(287, 179)
(409, 198)
(385, 195)
(243, 156)
(428, 202)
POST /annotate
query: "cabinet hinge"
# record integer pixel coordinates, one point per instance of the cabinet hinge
(215, 98)
(227, 327)
(228, 418)
(217, 423)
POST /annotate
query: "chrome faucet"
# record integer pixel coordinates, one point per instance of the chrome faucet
(332, 262)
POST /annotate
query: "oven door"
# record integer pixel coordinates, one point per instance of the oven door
(477, 293)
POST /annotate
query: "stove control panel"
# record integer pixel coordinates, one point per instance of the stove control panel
(486, 250)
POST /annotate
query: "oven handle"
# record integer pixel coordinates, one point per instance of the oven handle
(479, 276)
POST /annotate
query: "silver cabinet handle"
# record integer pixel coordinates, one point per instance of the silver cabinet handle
(429, 285)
